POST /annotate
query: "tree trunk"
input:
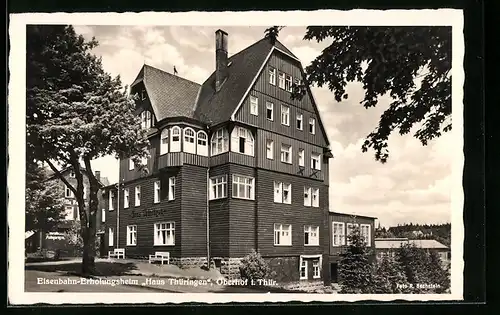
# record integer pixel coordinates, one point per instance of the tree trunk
(88, 255)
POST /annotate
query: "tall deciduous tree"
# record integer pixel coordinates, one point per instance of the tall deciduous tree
(76, 112)
(392, 61)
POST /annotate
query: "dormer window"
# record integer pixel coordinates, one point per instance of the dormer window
(189, 143)
(164, 142)
(242, 141)
(175, 139)
(146, 119)
(202, 143)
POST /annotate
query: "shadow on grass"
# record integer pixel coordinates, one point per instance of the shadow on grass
(44, 259)
(102, 268)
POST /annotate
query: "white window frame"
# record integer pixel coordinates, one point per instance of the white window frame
(72, 174)
(131, 235)
(137, 196)
(254, 105)
(312, 125)
(270, 107)
(171, 188)
(316, 267)
(288, 83)
(287, 197)
(349, 228)
(270, 149)
(157, 191)
(239, 133)
(202, 149)
(164, 141)
(169, 228)
(307, 196)
(299, 122)
(175, 145)
(111, 236)
(312, 240)
(189, 140)
(247, 182)
(315, 197)
(111, 203)
(278, 192)
(103, 215)
(279, 234)
(286, 150)
(126, 197)
(218, 187)
(301, 157)
(303, 267)
(281, 80)
(272, 76)
(285, 115)
(219, 142)
(368, 236)
(68, 193)
(146, 119)
(340, 240)
(131, 164)
(316, 157)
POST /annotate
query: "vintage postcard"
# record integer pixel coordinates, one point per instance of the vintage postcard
(215, 155)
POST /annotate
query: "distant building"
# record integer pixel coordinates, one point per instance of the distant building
(388, 246)
(340, 226)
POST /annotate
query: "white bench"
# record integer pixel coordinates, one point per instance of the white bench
(117, 253)
(160, 256)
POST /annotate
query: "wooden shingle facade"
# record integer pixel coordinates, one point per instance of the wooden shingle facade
(228, 173)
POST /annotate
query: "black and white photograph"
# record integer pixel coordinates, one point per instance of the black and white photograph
(319, 159)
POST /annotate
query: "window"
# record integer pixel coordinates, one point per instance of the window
(189, 143)
(68, 193)
(131, 164)
(218, 187)
(157, 192)
(270, 149)
(303, 269)
(164, 141)
(285, 115)
(365, 232)
(312, 125)
(146, 119)
(126, 198)
(282, 234)
(350, 230)
(311, 235)
(202, 143)
(111, 201)
(164, 233)
(282, 193)
(316, 161)
(281, 80)
(254, 105)
(103, 215)
(242, 141)
(338, 233)
(220, 141)
(316, 270)
(269, 110)
(111, 236)
(300, 118)
(272, 76)
(301, 157)
(143, 94)
(175, 139)
(286, 153)
(288, 83)
(131, 235)
(171, 188)
(315, 197)
(137, 196)
(243, 187)
(72, 174)
(307, 196)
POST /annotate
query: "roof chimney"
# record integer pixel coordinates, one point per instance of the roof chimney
(220, 58)
(98, 175)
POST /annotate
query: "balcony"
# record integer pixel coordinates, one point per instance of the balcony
(181, 158)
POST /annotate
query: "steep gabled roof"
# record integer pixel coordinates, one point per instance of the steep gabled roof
(170, 95)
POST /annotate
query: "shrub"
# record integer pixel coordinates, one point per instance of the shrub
(254, 267)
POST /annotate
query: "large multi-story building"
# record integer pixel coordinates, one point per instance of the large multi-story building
(236, 164)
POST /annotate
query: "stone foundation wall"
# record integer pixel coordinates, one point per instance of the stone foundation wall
(228, 267)
(307, 286)
(189, 262)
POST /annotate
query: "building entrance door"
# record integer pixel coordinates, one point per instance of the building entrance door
(334, 272)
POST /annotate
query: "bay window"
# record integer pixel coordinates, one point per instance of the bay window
(220, 142)
(164, 141)
(202, 143)
(218, 187)
(175, 139)
(243, 187)
(189, 143)
(242, 141)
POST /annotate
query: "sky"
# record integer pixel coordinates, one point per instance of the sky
(414, 185)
